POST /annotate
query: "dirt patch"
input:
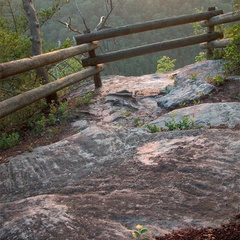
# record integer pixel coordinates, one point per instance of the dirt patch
(230, 231)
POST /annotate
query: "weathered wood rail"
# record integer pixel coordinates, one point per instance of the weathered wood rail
(146, 26)
(15, 103)
(27, 64)
(151, 48)
(208, 41)
(22, 100)
(87, 43)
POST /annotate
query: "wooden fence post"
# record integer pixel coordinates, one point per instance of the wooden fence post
(96, 77)
(210, 29)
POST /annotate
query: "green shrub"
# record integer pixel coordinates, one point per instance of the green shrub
(9, 140)
(86, 99)
(201, 57)
(232, 52)
(184, 124)
(165, 64)
(154, 128)
(217, 80)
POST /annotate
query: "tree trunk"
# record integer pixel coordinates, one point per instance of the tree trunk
(35, 37)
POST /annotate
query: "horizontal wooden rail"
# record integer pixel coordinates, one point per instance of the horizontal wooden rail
(216, 44)
(22, 100)
(224, 18)
(26, 64)
(146, 26)
(151, 48)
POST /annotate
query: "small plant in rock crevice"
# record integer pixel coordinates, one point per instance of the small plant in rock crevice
(167, 90)
(216, 80)
(139, 232)
(185, 124)
(194, 77)
(182, 104)
(125, 113)
(196, 102)
(154, 128)
(138, 122)
(86, 99)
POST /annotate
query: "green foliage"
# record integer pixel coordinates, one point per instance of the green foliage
(126, 113)
(138, 122)
(154, 128)
(217, 80)
(167, 90)
(48, 12)
(185, 124)
(58, 113)
(139, 232)
(201, 57)
(39, 125)
(182, 104)
(165, 64)
(12, 45)
(232, 52)
(86, 99)
(15, 44)
(236, 4)
(63, 108)
(9, 140)
(194, 76)
(197, 28)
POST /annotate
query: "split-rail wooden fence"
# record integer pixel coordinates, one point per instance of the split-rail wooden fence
(87, 43)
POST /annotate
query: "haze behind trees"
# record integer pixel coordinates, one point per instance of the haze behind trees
(129, 12)
(125, 12)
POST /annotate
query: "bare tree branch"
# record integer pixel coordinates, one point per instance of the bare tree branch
(83, 18)
(54, 9)
(68, 25)
(13, 16)
(102, 23)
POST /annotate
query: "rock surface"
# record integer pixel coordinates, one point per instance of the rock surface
(101, 182)
(191, 83)
(114, 175)
(205, 115)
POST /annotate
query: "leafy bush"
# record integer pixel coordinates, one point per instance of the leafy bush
(186, 123)
(86, 99)
(201, 57)
(154, 128)
(232, 52)
(217, 80)
(9, 140)
(165, 64)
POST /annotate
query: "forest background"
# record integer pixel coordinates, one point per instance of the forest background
(125, 12)
(129, 12)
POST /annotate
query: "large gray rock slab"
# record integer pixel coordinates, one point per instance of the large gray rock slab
(192, 90)
(205, 115)
(102, 182)
(191, 83)
(200, 71)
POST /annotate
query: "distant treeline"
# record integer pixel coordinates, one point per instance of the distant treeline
(128, 12)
